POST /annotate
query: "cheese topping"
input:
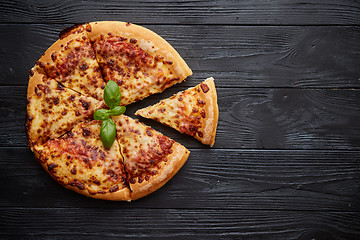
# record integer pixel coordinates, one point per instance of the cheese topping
(138, 73)
(73, 64)
(143, 148)
(79, 159)
(187, 111)
(54, 110)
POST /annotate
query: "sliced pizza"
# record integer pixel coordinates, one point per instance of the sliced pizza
(150, 158)
(193, 112)
(140, 61)
(71, 61)
(79, 161)
(53, 110)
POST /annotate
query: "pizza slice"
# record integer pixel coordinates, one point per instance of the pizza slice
(53, 110)
(140, 61)
(150, 158)
(193, 112)
(79, 161)
(71, 61)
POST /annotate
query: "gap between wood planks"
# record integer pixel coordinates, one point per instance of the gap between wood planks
(198, 24)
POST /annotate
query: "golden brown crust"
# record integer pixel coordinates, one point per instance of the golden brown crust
(149, 42)
(212, 113)
(34, 79)
(168, 169)
(57, 47)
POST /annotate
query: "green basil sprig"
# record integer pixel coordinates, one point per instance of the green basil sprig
(112, 97)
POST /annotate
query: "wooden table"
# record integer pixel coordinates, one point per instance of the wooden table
(286, 162)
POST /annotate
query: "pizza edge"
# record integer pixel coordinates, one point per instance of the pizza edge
(212, 113)
(56, 47)
(174, 163)
(150, 38)
(35, 78)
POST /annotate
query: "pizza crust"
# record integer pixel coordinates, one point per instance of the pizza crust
(212, 113)
(148, 41)
(34, 79)
(168, 169)
(57, 47)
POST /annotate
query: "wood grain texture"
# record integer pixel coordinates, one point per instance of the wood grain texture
(287, 74)
(211, 179)
(59, 223)
(246, 12)
(236, 56)
(249, 118)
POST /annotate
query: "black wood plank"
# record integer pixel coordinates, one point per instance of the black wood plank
(249, 118)
(184, 12)
(211, 179)
(58, 223)
(236, 56)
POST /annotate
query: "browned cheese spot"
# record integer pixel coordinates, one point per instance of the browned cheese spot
(202, 113)
(149, 132)
(51, 166)
(205, 88)
(53, 57)
(86, 132)
(73, 170)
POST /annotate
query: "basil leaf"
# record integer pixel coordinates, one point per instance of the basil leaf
(118, 110)
(112, 94)
(101, 114)
(108, 132)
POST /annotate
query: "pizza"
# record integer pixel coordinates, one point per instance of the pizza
(193, 112)
(66, 87)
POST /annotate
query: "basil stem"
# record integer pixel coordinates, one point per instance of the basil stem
(118, 110)
(102, 114)
(108, 132)
(112, 94)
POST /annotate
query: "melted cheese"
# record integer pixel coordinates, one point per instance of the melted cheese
(138, 73)
(79, 159)
(54, 110)
(185, 111)
(72, 62)
(143, 148)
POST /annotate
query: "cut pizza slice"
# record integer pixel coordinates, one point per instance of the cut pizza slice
(79, 161)
(71, 61)
(140, 61)
(150, 158)
(53, 110)
(193, 112)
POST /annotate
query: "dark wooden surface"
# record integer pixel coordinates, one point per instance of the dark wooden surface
(286, 162)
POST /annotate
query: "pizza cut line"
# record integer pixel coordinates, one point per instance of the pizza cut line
(66, 87)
